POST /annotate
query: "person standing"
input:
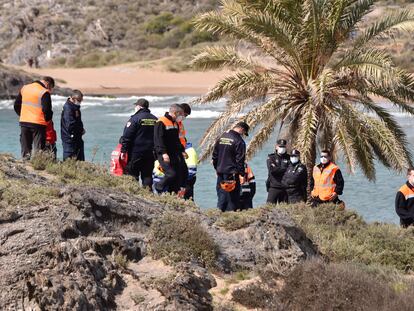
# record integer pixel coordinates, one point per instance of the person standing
(277, 164)
(228, 160)
(138, 143)
(170, 152)
(34, 106)
(71, 128)
(295, 179)
(248, 188)
(191, 162)
(404, 201)
(327, 182)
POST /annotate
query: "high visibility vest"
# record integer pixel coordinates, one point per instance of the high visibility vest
(407, 192)
(191, 162)
(181, 133)
(324, 185)
(169, 125)
(32, 104)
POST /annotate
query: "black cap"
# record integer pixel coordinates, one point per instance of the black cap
(295, 152)
(244, 126)
(186, 108)
(142, 102)
(281, 142)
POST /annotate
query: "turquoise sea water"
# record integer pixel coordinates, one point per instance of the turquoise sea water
(104, 119)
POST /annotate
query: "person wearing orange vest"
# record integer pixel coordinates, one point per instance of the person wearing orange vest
(34, 106)
(170, 152)
(404, 201)
(327, 182)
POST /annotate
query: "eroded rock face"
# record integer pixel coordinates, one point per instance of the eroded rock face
(72, 252)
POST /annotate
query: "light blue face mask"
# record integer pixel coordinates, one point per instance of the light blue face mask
(294, 160)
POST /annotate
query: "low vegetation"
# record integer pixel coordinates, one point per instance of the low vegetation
(176, 237)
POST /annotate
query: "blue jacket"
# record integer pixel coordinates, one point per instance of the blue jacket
(138, 137)
(71, 125)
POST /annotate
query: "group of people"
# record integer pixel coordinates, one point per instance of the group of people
(33, 105)
(156, 151)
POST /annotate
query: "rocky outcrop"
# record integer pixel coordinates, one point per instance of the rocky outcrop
(12, 80)
(85, 248)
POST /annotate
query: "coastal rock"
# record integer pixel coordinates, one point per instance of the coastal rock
(75, 247)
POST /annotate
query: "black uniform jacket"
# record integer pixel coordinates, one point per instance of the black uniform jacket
(71, 125)
(404, 206)
(338, 179)
(229, 154)
(46, 102)
(167, 141)
(276, 166)
(295, 178)
(138, 136)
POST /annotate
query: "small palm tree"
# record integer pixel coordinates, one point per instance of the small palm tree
(310, 67)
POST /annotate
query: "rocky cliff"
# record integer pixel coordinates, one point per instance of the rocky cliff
(74, 238)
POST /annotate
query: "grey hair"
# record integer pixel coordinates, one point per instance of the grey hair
(176, 108)
(76, 94)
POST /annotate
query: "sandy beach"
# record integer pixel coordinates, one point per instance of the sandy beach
(130, 79)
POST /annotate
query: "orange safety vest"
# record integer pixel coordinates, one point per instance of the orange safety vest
(181, 133)
(407, 192)
(324, 185)
(169, 125)
(32, 104)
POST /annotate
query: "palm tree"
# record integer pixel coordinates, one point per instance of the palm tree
(313, 68)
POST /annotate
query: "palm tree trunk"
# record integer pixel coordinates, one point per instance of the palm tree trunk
(310, 163)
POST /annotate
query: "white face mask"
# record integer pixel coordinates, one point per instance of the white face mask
(294, 160)
(281, 150)
(324, 160)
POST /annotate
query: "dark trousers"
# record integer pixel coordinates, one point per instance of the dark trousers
(246, 201)
(73, 149)
(175, 174)
(317, 201)
(295, 196)
(405, 223)
(228, 201)
(189, 189)
(276, 196)
(32, 138)
(141, 166)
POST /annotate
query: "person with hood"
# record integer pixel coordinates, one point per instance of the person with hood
(34, 107)
(277, 164)
(71, 128)
(138, 143)
(295, 179)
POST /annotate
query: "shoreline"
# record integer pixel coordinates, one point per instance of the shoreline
(130, 79)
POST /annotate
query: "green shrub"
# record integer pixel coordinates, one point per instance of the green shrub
(42, 159)
(176, 237)
(344, 236)
(237, 220)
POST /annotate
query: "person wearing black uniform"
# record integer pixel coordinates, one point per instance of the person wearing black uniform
(170, 152)
(404, 201)
(228, 160)
(138, 142)
(295, 179)
(71, 128)
(277, 164)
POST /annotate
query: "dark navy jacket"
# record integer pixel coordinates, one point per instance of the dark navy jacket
(229, 154)
(276, 165)
(138, 137)
(71, 125)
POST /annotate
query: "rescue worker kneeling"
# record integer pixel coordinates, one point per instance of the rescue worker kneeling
(248, 189)
(228, 161)
(327, 182)
(295, 179)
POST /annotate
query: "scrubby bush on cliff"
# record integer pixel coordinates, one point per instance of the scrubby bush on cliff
(176, 237)
(344, 236)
